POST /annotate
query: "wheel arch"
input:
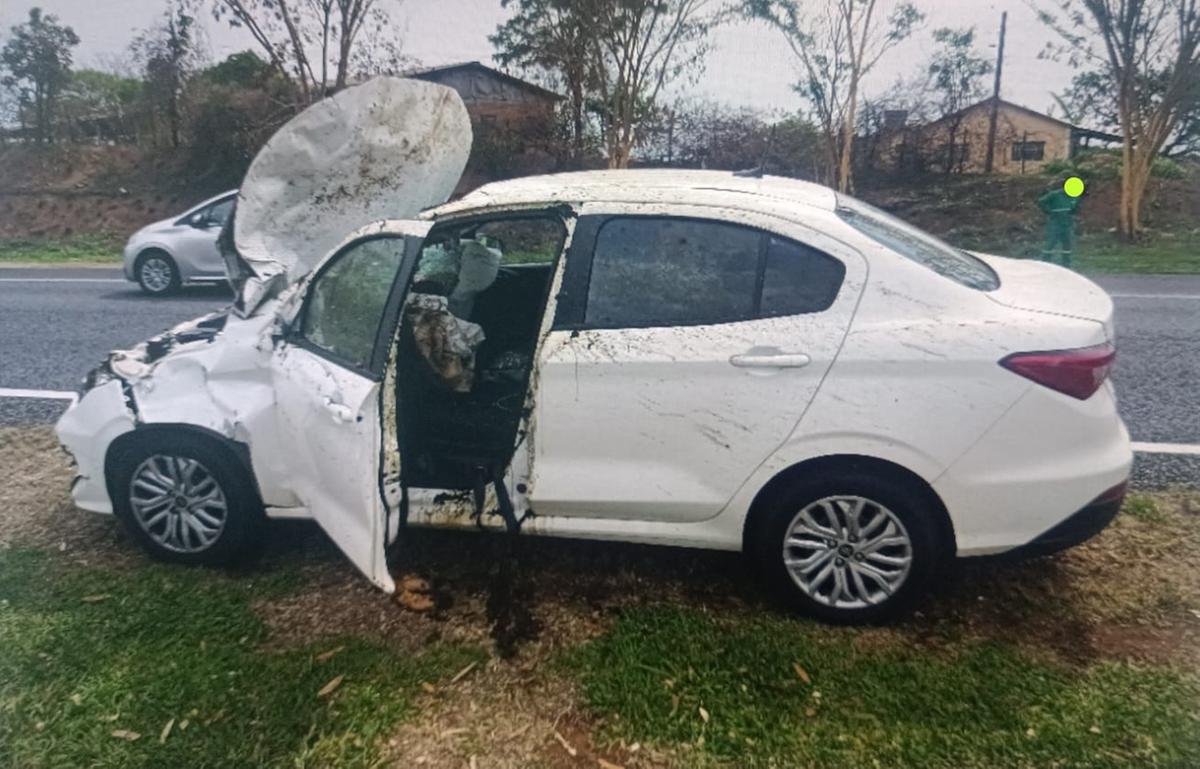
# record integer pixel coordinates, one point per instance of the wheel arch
(239, 451)
(838, 463)
(150, 248)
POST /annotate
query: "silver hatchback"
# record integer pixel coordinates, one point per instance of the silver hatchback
(162, 256)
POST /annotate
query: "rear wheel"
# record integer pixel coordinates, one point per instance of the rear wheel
(185, 499)
(157, 273)
(849, 548)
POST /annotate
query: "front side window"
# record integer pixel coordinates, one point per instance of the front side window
(656, 271)
(917, 246)
(346, 302)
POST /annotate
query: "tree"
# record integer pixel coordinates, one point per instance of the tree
(305, 39)
(243, 69)
(705, 134)
(37, 60)
(955, 74)
(639, 46)
(100, 105)
(551, 36)
(1089, 100)
(615, 57)
(1149, 51)
(837, 46)
(168, 54)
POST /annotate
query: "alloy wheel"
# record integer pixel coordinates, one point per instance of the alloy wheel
(847, 552)
(156, 273)
(178, 503)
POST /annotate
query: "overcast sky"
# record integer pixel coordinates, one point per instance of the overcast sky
(750, 65)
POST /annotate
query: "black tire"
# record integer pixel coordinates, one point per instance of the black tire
(240, 531)
(926, 550)
(156, 273)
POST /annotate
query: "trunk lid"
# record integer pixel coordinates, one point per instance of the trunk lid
(1026, 284)
(385, 149)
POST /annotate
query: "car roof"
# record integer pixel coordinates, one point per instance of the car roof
(646, 186)
(210, 201)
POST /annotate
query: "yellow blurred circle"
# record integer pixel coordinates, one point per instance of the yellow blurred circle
(1074, 186)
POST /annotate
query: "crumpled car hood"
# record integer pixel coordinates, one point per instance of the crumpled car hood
(385, 149)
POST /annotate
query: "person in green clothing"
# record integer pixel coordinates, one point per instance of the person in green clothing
(1060, 206)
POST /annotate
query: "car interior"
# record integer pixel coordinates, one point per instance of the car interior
(468, 336)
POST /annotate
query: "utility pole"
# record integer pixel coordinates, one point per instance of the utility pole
(991, 145)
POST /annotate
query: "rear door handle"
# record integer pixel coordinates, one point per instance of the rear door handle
(771, 360)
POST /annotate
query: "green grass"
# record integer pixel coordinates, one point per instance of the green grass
(984, 706)
(79, 250)
(1161, 255)
(184, 644)
(1144, 508)
(1102, 252)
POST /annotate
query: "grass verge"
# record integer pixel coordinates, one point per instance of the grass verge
(163, 666)
(756, 690)
(80, 250)
(1163, 254)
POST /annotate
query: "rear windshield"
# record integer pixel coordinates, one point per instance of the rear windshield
(920, 247)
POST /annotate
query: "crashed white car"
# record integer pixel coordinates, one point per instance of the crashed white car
(684, 358)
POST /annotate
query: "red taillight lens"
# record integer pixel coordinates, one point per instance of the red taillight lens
(1078, 373)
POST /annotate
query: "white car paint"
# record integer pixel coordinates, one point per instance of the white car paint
(625, 442)
(671, 400)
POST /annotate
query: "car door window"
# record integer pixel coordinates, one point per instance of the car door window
(665, 272)
(216, 214)
(346, 301)
(798, 279)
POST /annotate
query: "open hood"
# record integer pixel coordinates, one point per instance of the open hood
(385, 149)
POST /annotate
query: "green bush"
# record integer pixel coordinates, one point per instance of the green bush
(1106, 164)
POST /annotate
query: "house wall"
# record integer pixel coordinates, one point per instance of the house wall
(1012, 126)
(489, 98)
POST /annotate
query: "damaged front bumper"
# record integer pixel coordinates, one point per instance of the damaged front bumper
(154, 382)
(86, 431)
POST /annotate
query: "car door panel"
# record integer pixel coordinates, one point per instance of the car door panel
(329, 412)
(665, 423)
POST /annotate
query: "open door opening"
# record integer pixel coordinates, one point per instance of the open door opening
(467, 343)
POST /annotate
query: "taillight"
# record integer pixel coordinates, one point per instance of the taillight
(1078, 373)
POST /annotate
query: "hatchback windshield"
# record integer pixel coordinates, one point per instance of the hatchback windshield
(920, 247)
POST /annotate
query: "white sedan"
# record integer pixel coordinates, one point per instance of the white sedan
(697, 359)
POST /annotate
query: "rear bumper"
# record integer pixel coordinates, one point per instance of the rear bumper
(1028, 482)
(1076, 529)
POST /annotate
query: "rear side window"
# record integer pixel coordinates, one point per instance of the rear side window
(666, 272)
(346, 302)
(659, 271)
(916, 245)
(798, 279)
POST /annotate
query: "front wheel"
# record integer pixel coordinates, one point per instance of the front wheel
(849, 548)
(157, 273)
(185, 499)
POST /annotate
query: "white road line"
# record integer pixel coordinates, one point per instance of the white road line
(62, 280)
(1191, 449)
(42, 395)
(1154, 296)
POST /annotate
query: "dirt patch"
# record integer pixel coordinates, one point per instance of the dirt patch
(509, 714)
(35, 504)
(1133, 593)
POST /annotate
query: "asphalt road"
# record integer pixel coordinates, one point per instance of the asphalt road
(57, 323)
